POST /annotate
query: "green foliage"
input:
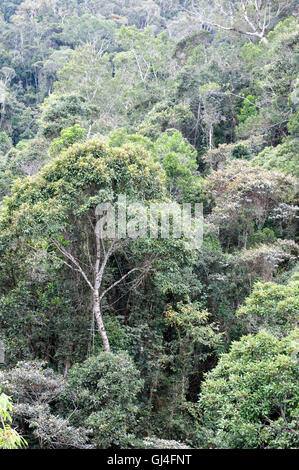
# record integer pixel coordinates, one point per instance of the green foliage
(9, 8)
(61, 113)
(5, 143)
(78, 180)
(194, 339)
(264, 236)
(293, 124)
(32, 383)
(26, 158)
(250, 399)
(117, 333)
(155, 443)
(78, 30)
(54, 432)
(248, 109)
(179, 161)
(240, 151)
(103, 98)
(274, 66)
(249, 197)
(177, 157)
(105, 389)
(220, 157)
(68, 137)
(194, 323)
(271, 306)
(284, 157)
(34, 388)
(9, 438)
(35, 314)
(163, 116)
(120, 137)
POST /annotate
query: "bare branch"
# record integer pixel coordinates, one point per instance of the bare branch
(71, 258)
(143, 268)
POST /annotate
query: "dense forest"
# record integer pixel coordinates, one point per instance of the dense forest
(149, 342)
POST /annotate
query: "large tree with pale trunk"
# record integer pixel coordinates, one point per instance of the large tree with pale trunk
(57, 211)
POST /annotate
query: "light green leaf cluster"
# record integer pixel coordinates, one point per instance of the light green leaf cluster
(9, 438)
(249, 399)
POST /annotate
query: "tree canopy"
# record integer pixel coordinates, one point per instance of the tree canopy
(149, 224)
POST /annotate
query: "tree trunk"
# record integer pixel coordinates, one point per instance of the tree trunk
(211, 131)
(66, 369)
(99, 319)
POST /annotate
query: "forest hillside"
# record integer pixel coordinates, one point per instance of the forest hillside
(146, 335)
